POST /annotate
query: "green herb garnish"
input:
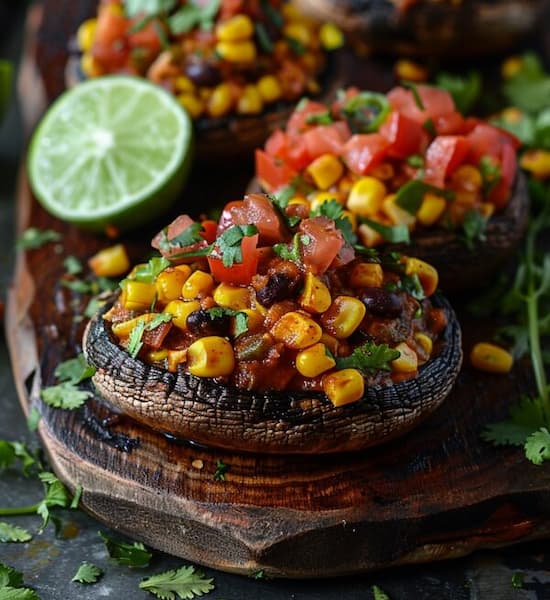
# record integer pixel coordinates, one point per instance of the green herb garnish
(368, 358)
(87, 573)
(133, 554)
(395, 234)
(221, 470)
(410, 195)
(33, 238)
(228, 244)
(185, 582)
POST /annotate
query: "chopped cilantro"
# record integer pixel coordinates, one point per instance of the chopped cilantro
(473, 226)
(221, 470)
(74, 370)
(192, 15)
(414, 90)
(517, 579)
(263, 38)
(87, 573)
(490, 173)
(150, 7)
(465, 90)
(333, 210)
(416, 161)
(189, 236)
(185, 582)
(395, 234)
(65, 395)
(72, 265)
(134, 339)
(368, 358)
(148, 272)
(124, 553)
(159, 319)
(323, 118)
(296, 46)
(429, 126)
(228, 244)
(292, 253)
(410, 195)
(412, 286)
(241, 318)
(33, 238)
(13, 533)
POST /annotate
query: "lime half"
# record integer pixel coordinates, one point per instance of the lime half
(113, 151)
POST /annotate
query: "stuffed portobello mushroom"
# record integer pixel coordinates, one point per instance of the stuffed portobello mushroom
(235, 66)
(271, 332)
(410, 171)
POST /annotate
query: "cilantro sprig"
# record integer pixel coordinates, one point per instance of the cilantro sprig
(368, 358)
(128, 554)
(12, 586)
(67, 394)
(87, 573)
(185, 582)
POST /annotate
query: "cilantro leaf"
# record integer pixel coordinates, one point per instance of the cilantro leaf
(296, 46)
(263, 38)
(148, 273)
(292, 253)
(11, 451)
(65, 395)
(490, 173)
(13, 533)
(517, 579)
(134, 339)
(368, 358)
(33, 419)
(9, 593)
(409, 196)
(333, 210)
(221, 470)
(185, 582)
(395, 234)
(9, 577)
(149, 7)
(72, 265)
(74, 370)
(465, 90)
(87, 573)
(537, 446)
(7, 454)
(124, 553)
(411, 285)
(33, 238)
(528, 92)
(193, 14)
(473, 226)
(413, 87)
(379, 594)
(228, 244)
(189, 236)
(56, 495)
(158, 319)
(323, 118)
(523, 128)
(241, 318)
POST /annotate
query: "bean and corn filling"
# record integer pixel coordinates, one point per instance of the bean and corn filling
(262, 301)
(218, 57)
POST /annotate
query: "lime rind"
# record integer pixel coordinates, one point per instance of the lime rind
(111, 151)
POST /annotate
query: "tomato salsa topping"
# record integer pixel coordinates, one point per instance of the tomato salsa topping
(277, 299)
(396, 162)
(217, 56)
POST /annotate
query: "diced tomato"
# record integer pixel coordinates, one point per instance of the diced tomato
(436, 102)
(298, 120)
(273, 172)
(404, 135)
(326, 139)
(154, 338)
(276, 144)
(364, 151)
(210, 229)
(508, 164)
(238, 273)
(443, 156)
(451, 124)
(324, 243)
(257, 210)
(230, 8)
(146, 37)
(162, 240)
(488, 140)
(291, 149)
(110, 46)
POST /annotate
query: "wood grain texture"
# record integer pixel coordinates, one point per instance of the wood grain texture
(437, 492)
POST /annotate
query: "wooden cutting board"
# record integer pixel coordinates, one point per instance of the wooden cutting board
(439, 492)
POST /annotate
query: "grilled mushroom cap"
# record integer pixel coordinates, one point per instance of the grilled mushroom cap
(204, 411)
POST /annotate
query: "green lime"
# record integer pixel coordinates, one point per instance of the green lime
(112, 151)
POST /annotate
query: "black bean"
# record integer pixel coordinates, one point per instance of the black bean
(201, 322)
(203, 73)
(381, 302)
(279, 286)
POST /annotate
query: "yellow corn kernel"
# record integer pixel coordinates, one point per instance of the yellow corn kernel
(332, 343)
(407, 362)
(315, 296)
(467, 178)
(396, 214)
(115, 9)
(431, 209)
(366, 275)
(231, 296)
(411, 71)
(169, 284)
(85, 35)
(205, 93)
(425, 343)
(110, 262)
(137, 295)
(221, 101)
(344, 386)
(344, 316)
(368, 236)
(156, 355)
(301, 201)
(345, 184)
(296, 330)
(291, 12)
(366, 196)
(486, 209)
(210, 356)
(512, 115)
(185, 269)
(330, 36)
(199, 284)
(180, 310)
(511, 67)
(175, 358)
(89, 66)
(352, 218)
(537, 162)
(325, 170)
(192, 104)
(298, 31)
(269, 88)
(428, 276)
(318, 198)
(491, 358)
(385, 171)
(314, 360)
(124, 328)
(237, 52)
(250, 103)
(184, 85)
(254, 320)
(239, 27)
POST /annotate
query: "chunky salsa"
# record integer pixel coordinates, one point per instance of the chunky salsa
(396, 162)
(265, 299)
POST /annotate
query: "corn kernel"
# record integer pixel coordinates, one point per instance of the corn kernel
(237, 52)
(250, 102)
(291, 12)
(410, 71)
(537, 162)
(231, 296)
(269, 88)
(318, 198)
(221, 101)
(315, 296)
(344, 316)
(427, 274)
(314, 360)
(124, 328)
(198, 284)
(330, 36)
(239, 27)
(169, 284)
(385, 171)
(193, 105)
(298, 31)
(467, 178)
(366, 275)
(89, 66)
(366, 196)
(205, 93)
(512, 115)
(425, 343)
(325, 170)
(183, 84)
(407, 362)
(175, 358)
(110, 262)
(115, 9)
(396, 214)
(345, 184)
(332, 343)
(511, 67)
(85, 35)
(210, 356)
(138, 295)
(486, 209)
(491, 358)
(301, 201)
(254, 320)
(180, 311)
(368, 236)
(431, 209)
(344, 386)
(156, 355)
(296, 330)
